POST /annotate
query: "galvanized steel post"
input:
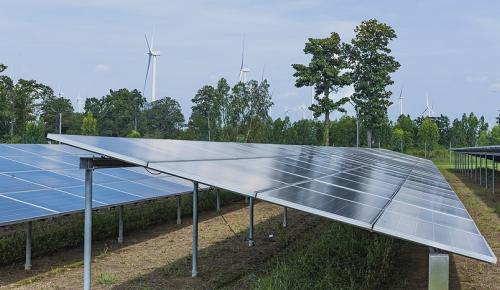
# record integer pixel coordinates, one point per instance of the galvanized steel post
(251, 243)
(285, 216)
(439, 270)
(178, 198)
(480, 170)
(194, 269)
(493, 174)
(217, 197)
(27, 264)
(120, 224)
(87, 244)
(485, 171)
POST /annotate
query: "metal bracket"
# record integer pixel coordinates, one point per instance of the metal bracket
(102, 162)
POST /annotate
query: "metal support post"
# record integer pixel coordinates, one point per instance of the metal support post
(179, 214)
(493, 174)
(251, 242)
(485, 171)
(475, 168)
(194, 269)
(285, 216)
(27, 265)
(480, 170)
(120, 224)
(217, 196)
(87, 244)
(439, 270)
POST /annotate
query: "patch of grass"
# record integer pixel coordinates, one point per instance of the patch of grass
(342, 257)
(104, 278)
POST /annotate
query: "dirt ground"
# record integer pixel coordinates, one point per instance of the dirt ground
(159, 258)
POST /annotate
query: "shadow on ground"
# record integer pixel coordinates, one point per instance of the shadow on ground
(72, 258)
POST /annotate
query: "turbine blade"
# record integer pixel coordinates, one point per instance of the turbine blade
(242, 53)
(147, 42)
(146, 79)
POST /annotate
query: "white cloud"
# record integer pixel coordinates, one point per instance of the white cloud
(494, 87)
(102, 68)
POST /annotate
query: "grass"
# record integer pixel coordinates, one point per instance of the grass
(67, 231)
(342, 257)
(104, 278)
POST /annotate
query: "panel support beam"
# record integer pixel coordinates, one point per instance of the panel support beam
(194, 262)
(120, 224)
(27, 264)
(439, 270)
(251, 242)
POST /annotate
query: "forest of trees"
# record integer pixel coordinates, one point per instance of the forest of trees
(240, 112)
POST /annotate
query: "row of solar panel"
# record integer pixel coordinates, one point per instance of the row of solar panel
(392, 193)
(39, 181)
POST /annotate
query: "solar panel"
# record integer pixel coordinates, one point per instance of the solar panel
(39, 181)
(379, 190)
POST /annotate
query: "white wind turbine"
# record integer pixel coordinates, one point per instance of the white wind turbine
(79, 103)
(428, 110)
(152, 55)
(243, 69)
(401, 102)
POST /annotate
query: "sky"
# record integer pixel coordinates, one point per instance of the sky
(448, 50)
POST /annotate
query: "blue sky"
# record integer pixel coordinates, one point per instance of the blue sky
(447, 49)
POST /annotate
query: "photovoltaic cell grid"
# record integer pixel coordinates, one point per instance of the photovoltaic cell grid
(379, 190)
(39, 181)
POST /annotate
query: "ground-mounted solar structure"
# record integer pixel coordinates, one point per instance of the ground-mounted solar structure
(378, 190)
(473, 161)
(44, 181)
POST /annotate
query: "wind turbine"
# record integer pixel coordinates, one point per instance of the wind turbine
(243, 69)
(152, 55)
(401, 102)
(303, 107)
(79, 102)
(428, 109)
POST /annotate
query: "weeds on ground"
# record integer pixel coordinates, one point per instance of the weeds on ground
(104, 278)
(342, 257)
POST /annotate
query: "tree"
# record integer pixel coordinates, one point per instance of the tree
(35, 132)
(53, 108)
(398, 138)
(409, 128)
(89, 125)
(6, 113)
(371, 65)
(344, 131)
(495, 135)
(134, 134)
(326, 73)
(428, 134)
(163, 120)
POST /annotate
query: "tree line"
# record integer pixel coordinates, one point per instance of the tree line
(240, 112)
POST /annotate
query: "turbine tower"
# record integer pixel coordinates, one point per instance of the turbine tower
(401, 102)
(152, 55)
(79, 103)
(243, 69)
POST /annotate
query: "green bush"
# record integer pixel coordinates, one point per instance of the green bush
(342, 257)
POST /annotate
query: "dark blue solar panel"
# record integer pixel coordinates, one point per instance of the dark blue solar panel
(41, 162)
(14, 211)
(52, 199)
(7, 165)
(162, 184)
(124, 173)
(9, 184)
(97, 176)
(5, 150)
(48, 178)
(106, 195)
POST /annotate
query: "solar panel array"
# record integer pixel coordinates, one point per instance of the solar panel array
(379, 190)
(40, 181)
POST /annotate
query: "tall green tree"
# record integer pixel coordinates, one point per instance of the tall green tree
(55, 108)
(428, 134)
(89, 125)
(163, 120)
(326, 72)
(6, 113)
(344, 131)
(34, 132)
(371, 65)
